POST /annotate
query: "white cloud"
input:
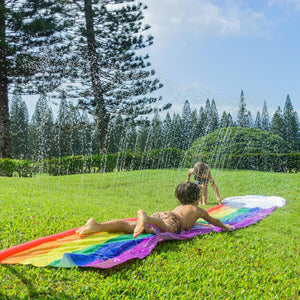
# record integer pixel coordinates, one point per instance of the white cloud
(204, 17)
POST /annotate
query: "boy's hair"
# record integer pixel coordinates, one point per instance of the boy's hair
(201, 168)
(187, 192)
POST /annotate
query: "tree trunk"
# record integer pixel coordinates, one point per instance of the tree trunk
(100, 109)
(5, 137)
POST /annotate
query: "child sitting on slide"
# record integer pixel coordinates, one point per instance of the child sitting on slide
(202, 176)
(183, 217)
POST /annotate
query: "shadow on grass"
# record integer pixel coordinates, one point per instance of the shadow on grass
(22, 278)
(32, 291)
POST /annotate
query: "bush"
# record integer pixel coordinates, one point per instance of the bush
(154, 159)
(243, 148)
(238, 141)
(21, 168)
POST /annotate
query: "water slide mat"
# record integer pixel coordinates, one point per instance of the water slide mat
(106, 250)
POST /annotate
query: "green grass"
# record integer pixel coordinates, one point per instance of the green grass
(257, 262)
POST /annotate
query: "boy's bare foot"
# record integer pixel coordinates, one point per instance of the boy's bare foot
(229, 227)
(88, 228)
(141, 222)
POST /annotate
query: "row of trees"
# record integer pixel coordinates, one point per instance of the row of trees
(92, 50)
(74, 131)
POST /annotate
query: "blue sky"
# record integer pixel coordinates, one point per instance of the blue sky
(214, 49)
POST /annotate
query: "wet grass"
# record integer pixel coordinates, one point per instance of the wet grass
(257, 262)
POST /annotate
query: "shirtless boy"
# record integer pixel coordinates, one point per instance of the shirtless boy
(183, 217)
(202, 176)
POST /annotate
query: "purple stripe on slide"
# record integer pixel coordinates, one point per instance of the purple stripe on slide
(146, 246)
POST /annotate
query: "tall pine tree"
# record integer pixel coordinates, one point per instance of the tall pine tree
(291, 121)
(277, 124)
(186, 118)
(265, 119)
(42, 130)
(29, 32)
(115, 75)
(214, 116)
(257, 123)
(19, 127)
(242, 113)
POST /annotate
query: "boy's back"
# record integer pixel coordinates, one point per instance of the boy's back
(189, 213)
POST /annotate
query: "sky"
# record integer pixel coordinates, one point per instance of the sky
(212, 49)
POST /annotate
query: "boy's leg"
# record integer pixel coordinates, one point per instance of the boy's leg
(92, 226)
(144, 219)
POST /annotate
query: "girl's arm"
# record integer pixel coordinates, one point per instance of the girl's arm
(189, 174)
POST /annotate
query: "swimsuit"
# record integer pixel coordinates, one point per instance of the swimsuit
(172, 220)
(200, 180)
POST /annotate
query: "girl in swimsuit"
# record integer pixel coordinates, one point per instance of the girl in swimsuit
(202, 176)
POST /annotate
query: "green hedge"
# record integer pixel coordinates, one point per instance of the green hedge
(155, 159)
(18, 167)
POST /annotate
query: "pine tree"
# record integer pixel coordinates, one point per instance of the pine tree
(177, 131)
(85, 132)
(194, 127)
(29, 32)
(277, 124)
(143, 135)
(186, 118)
(155, 139)
(265, 119)
(116, 134)
(291, 121)
(257, 123)
(230, 120)
(64, 128)
(167, 131)
(224, 120)
(130, 136)
(76, 139)
(249, 119)
(202, 122)
(42, 129)
(116, 78)
(242, 113)
(19, 127)
(206, 117)
(214, 116)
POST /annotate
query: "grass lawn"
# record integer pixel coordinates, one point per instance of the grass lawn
(257, 262)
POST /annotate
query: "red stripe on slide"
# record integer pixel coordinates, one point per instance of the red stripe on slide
(20, 248)
(214, 208)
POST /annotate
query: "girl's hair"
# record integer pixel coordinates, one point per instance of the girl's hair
(201, 168)
(187, 192)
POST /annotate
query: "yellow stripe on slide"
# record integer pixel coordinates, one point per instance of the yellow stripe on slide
(74, 245)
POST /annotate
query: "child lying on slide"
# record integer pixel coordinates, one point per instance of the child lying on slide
(183, 217)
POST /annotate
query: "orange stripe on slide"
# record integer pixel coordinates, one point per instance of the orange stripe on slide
(23, 247)
(44, 248)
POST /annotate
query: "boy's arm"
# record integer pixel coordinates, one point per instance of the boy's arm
(215, 188)
(189, 174)
(216, 222)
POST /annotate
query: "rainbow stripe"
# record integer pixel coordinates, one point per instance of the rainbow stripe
(106, 250)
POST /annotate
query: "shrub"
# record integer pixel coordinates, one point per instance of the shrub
(21, 168)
